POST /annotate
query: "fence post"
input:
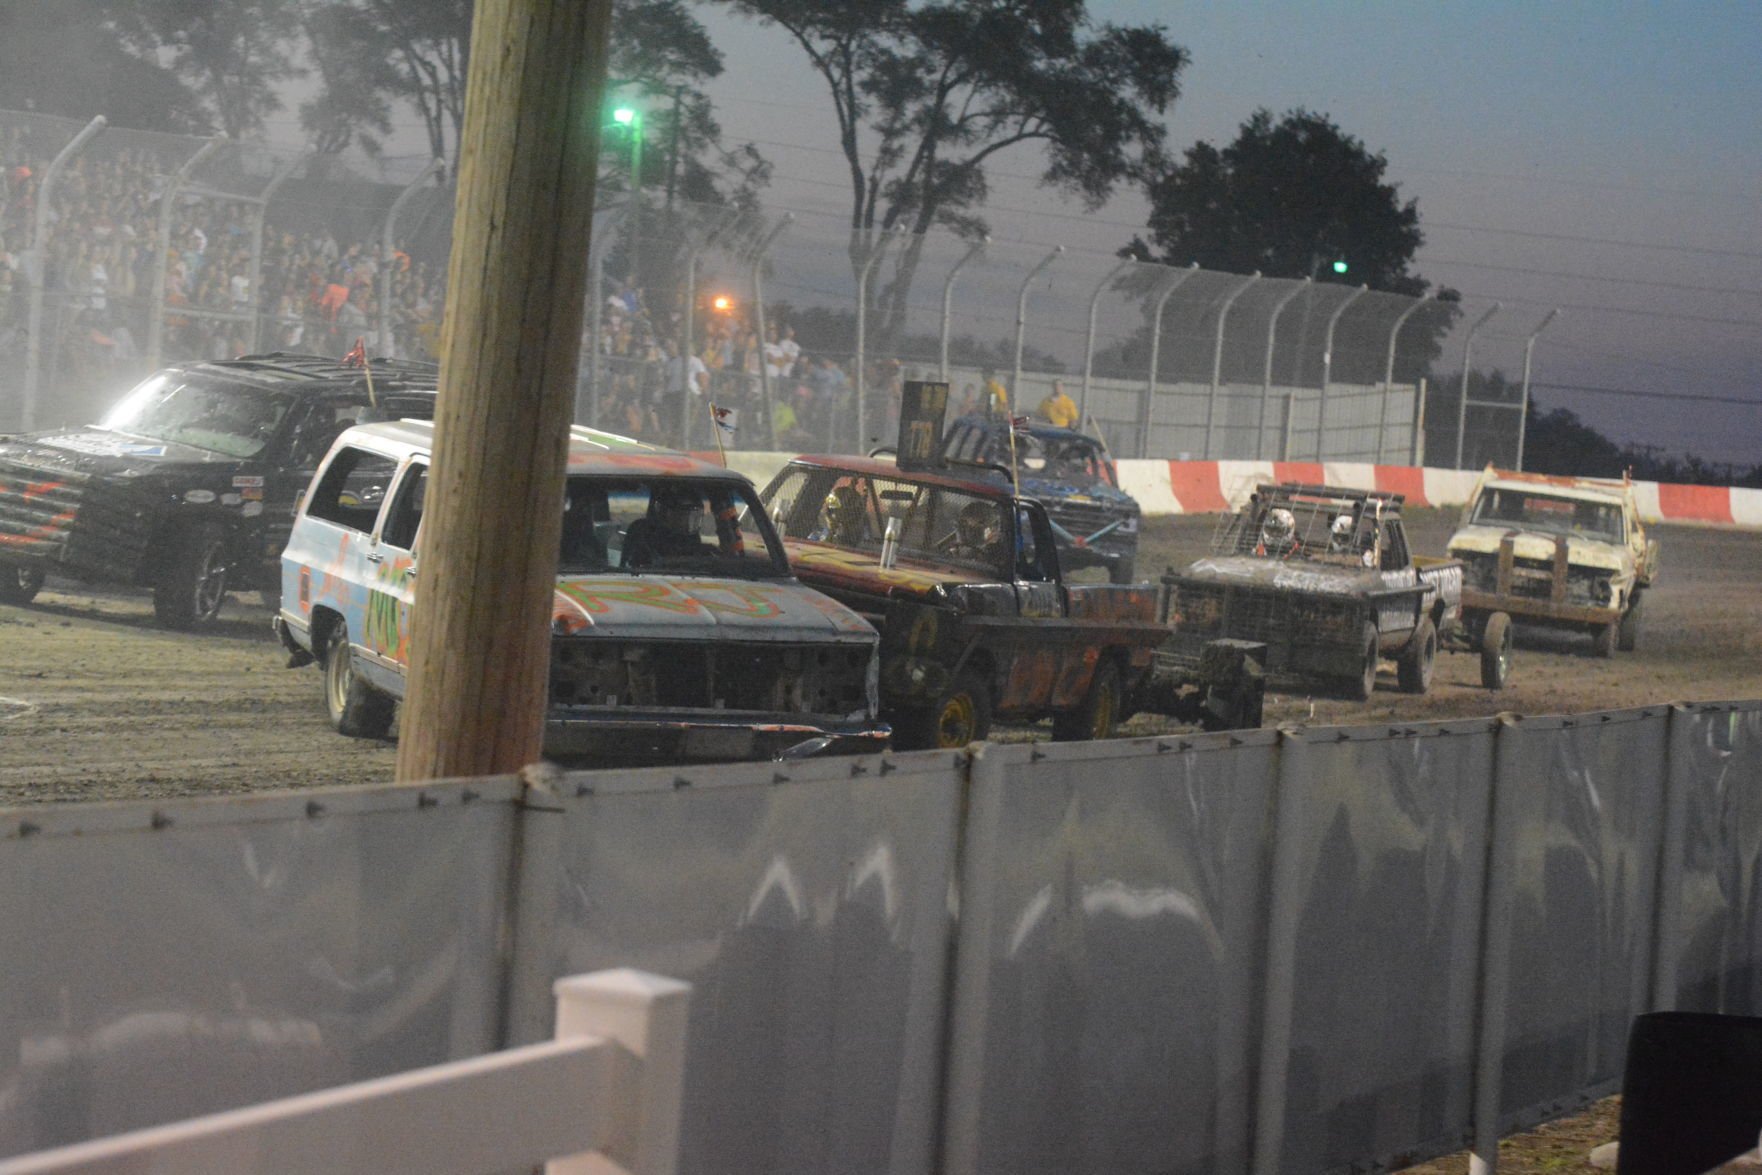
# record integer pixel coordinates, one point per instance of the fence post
(1217, 359)
(1321, 408)
(1494, 980)
(167, 204)
(1462, 400)
(1523, 409)
(39, 269)
(1148, 416)
(1285, 908)
(1266, 375)
(1679, 755)
(1015, 380)
(388, 248)
(1389, 386)
(1089, 339)
(759, 310)
(876, 249)
(647, 1015)
(948, 302)
(256, 274)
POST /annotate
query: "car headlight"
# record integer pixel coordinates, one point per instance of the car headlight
(1602, 590)
(1129, 525)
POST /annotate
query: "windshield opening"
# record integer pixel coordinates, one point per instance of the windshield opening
(670, 525)
(234, 421)
(933, 525)
(1549, 512)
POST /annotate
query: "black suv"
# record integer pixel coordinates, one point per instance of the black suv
(1070, 473)
(188, 485)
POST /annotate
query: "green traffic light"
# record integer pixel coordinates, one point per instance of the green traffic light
(624, 116)
(1339, 267)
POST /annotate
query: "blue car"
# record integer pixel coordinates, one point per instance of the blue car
(1068, 472)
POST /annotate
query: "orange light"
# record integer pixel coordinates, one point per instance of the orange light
(722, 303)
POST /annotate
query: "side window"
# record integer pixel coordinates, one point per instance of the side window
(352, 489)
(323, 424)
(406, 512)
(1394, 547)
(1036, 557)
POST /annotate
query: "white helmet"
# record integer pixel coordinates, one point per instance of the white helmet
(1280, 525)
(1341, 528)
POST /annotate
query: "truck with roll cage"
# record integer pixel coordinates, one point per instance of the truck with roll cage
(1323, 579)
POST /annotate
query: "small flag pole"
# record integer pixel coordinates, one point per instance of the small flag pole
(716, 430)
(1014, 477)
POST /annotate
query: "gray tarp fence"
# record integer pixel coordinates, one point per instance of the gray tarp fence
(1300, 950)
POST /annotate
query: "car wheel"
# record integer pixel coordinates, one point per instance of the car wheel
(1629, 637)
(1100, 710)
(960, 716)
(1604, 638)
(356, 708)
(192, 581)
(1496, 651)
(1419, 658)
(19, 584)
(1360, 688)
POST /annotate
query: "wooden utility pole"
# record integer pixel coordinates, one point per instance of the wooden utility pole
(480, 649)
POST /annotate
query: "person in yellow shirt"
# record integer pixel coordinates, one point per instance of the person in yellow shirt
(992, 396)
(1058, 408)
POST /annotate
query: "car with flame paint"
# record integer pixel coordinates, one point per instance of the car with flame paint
(963, 580)
(1556, 552)
(1323, 580)
(695, 645)
(1094, 521)
(187, 486)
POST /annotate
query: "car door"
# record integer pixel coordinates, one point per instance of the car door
(389, 566)
(326, 567)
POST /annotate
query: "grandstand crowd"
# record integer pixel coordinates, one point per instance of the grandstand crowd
(316, 293)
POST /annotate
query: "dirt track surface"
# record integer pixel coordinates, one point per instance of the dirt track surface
(96, 703)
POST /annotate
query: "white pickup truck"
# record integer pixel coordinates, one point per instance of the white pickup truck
(1557, 552)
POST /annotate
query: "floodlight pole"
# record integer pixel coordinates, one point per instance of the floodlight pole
(1462, 401)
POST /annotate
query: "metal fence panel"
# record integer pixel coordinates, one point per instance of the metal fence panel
(168, 960)
(1110, 905)
(1717, 762)
(1381, 915)
(1585, 806)
(807, 904)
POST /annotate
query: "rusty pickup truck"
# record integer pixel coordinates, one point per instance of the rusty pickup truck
(962, 579)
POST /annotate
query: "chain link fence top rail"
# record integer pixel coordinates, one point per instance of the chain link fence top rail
(806, 330)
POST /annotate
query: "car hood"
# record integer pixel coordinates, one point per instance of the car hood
(859, 572)
(95, 452)
(1538, 544)
(693, 608)
(1051, 492)
(1296, 575)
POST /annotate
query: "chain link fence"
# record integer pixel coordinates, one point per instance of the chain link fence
(125, 250)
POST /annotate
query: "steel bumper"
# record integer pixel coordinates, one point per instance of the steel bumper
(1536, 610)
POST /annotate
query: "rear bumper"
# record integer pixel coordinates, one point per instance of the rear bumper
(663, 736)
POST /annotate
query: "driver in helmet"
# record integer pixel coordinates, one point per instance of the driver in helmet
(1340, 535)
(1278, 534)
(669, 529)
(977, 534)
(844, 517)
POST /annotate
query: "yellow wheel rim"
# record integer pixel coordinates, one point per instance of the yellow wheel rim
(956, 721)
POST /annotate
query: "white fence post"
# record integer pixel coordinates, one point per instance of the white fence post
(647, 1015)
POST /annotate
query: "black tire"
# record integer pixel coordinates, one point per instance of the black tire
(1496, 651)
(1419, 658)
(960, 716)
(1360, 688)
(1099, 712)
(1628, 639)
(19, 584)
(356, 708)
(191, 586)
(1604, 638)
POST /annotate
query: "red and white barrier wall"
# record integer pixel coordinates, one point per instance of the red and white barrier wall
(1193, 487)
(1204, 487)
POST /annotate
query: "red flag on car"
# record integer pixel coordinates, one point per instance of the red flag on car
(357, 356)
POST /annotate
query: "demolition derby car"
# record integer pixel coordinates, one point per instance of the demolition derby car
(678, 632)
(187, 486)
(1322, 580)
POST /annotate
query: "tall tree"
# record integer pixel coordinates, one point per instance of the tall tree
(67, 59)
(926, 96)
(234, 55)
(1287, 198)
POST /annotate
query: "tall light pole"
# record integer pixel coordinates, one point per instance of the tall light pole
(630, 118)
